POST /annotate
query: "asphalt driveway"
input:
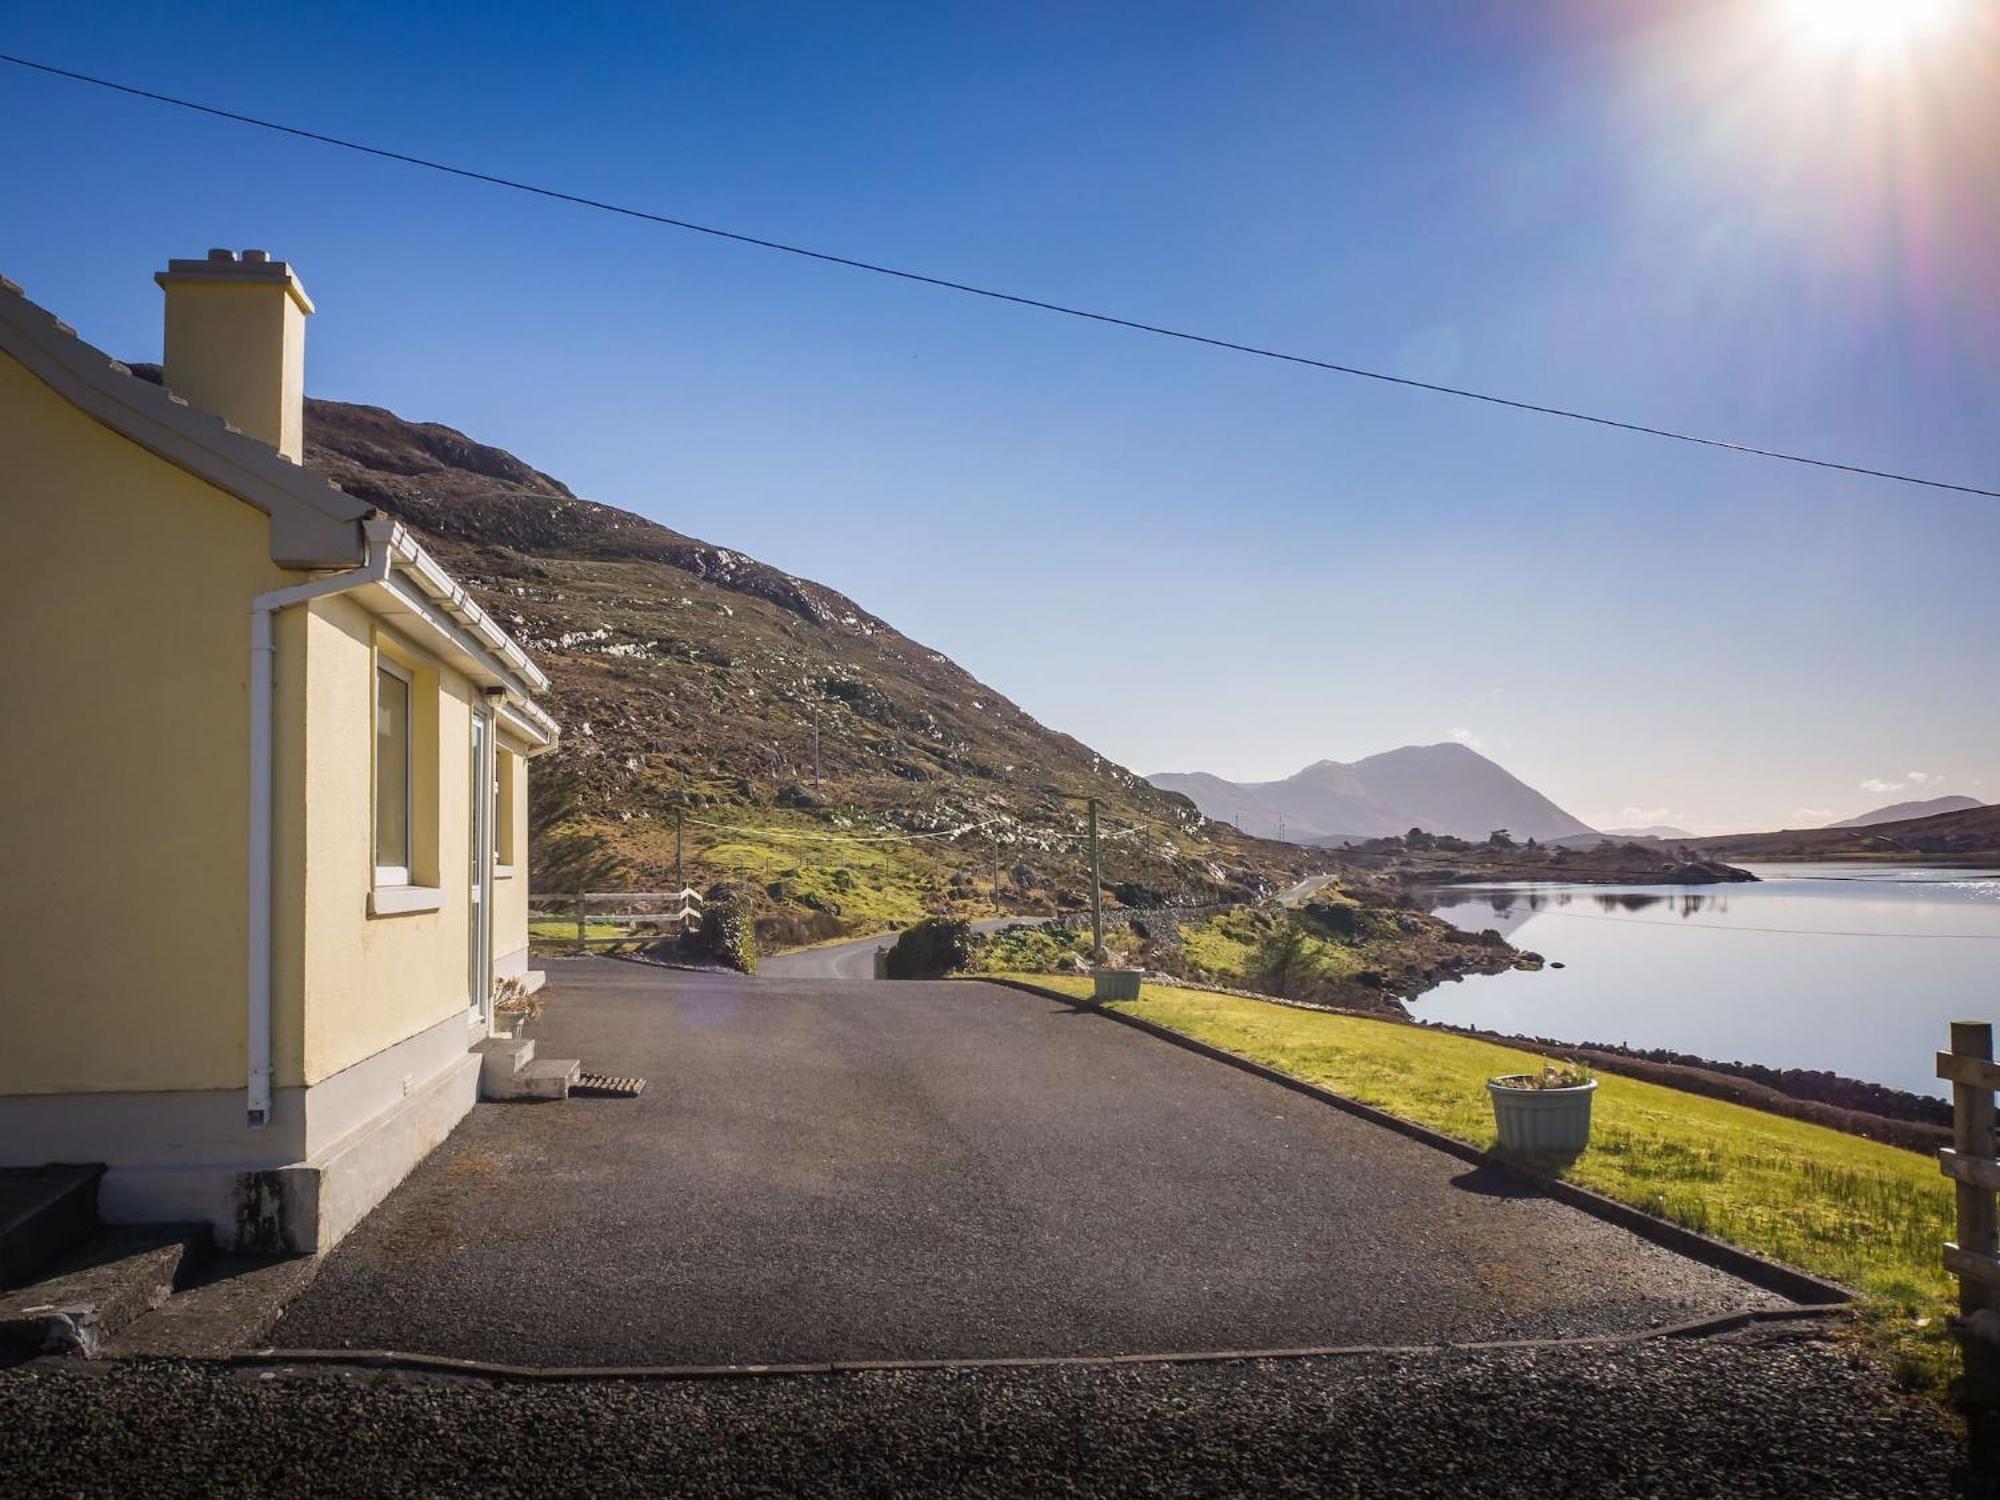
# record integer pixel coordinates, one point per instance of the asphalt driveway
(830, 1170)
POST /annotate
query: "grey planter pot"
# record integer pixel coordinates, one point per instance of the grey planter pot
(1117, 984)
(1541, 1119)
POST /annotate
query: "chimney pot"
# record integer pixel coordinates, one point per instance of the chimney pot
(222, 255)
(257, 256)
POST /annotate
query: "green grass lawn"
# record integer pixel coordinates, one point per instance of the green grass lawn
(563, 929)
(1861, 1213)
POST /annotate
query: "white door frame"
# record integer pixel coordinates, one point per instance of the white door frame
(481, 815)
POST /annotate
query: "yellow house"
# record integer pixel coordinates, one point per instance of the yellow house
(263, 791)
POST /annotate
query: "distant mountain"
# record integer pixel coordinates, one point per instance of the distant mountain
(1650, 831)
(1969, 836)
(1445, 788)
(1899, 812)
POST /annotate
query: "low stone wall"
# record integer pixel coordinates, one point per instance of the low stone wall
(1157, 919)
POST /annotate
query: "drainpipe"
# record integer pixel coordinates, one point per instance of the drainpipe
(263, 654)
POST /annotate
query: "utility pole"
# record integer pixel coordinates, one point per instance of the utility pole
(680, 864)
(815, 749)
(996, 873)
(1096, 891)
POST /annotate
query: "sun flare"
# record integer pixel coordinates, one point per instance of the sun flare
(1867, 25)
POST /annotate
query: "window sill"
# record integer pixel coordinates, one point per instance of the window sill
(503, 872)
(397, 900)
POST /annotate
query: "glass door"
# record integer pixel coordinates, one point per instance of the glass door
(479, 971)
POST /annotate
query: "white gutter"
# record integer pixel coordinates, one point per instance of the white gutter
(263, 653)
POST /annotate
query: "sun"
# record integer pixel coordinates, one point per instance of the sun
(1866, 25)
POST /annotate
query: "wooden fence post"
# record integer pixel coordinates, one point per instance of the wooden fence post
(582, 936)
(1970, 1163)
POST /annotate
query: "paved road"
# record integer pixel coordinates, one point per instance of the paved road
(856, 960)
(827, 1170)
(1305, 888)
(1770, 1414)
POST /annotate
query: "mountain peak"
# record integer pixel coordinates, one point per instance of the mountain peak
(1447, 787)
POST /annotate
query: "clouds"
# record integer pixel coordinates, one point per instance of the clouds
(1468, 737)
(1912, 781)
(1646, 817)
(1810, 815)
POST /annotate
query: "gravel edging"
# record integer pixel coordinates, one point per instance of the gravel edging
(1774, 1412)
(1774, 1276)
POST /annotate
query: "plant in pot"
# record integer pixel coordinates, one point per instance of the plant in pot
(514, 1005)
(1547, 1110)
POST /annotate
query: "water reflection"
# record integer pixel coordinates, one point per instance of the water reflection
(1849, 968)
(1502, 900)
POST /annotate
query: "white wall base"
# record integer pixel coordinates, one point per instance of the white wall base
(358, 1173)
(330, 1154)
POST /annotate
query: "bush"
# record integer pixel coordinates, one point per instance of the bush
(726, 937)
(1332, 919)
(1286, 964)
(1025, 950)
(933, 948)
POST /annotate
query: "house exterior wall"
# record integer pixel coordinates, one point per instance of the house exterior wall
(124, 816)
(372, 980)
(124, 792)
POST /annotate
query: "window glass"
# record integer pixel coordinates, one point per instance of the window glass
(504, 772)
(392, 775)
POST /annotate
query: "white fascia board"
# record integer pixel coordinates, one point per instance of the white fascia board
(399, 601)
(535, 737)
(457, 601)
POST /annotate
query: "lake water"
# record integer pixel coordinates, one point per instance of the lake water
(1855, 969)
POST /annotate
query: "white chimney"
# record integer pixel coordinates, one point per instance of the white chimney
(236, 343)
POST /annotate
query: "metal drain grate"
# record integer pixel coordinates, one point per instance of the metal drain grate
(603, 1086)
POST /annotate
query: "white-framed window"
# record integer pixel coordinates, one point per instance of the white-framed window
(506, 767)
(392, 774)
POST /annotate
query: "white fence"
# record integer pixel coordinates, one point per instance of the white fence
(635, 913)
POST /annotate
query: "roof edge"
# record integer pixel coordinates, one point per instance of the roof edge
(314, 523)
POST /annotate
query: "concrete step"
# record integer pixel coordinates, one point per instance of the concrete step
(44, 1211)
(501, 1059)
(233, 1302)
(551, 1079)
(89, 1295)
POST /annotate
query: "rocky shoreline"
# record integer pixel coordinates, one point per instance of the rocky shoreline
(1448, 861)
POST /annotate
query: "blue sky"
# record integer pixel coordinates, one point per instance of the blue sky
(1696, 215)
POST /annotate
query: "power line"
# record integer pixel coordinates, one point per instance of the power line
(968, 289)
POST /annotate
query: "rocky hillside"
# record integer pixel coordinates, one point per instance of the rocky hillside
(690, 678)
(1902, 812)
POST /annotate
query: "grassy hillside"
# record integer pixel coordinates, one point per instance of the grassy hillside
(690, 678)
(1967, 837)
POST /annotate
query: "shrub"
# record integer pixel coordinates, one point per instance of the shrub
(933, 948)
(1332, 919)
(1026, 950)
(726, 936)
(1286, 964)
